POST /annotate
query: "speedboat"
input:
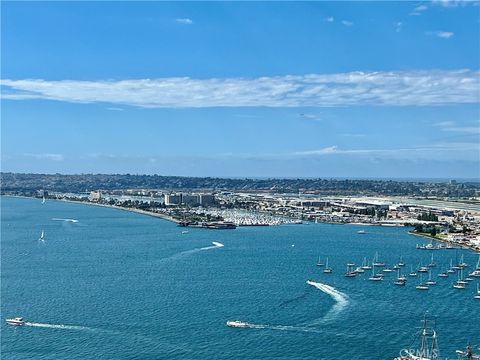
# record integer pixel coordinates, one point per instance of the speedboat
(18, 321)
(237, 324)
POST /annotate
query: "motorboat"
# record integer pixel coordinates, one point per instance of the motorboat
(237, 324)
(18, 321)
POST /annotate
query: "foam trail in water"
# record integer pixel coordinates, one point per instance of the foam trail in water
(55, 326)
(66, 220)
(341, 300)
(246, 325)
(215, 245)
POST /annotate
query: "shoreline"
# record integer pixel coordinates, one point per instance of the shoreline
(134, 210)
(444, 241)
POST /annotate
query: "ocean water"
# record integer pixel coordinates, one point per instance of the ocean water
(119, 285)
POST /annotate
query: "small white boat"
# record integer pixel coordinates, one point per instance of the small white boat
(18, 321)
(478, 293)
(430, 281)
(42, 237)
(319, 262)
(185, 232)
(237, 324)
(361, 232)
(327, 270)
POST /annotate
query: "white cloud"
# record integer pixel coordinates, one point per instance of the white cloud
(441, 34)
(114, 109)
(52, 157)
(184, 21)
(419, 10)
(330, 19)
(310, 116)
(435, 151)
(347, 23)
(402, 88)
(451, 126)
(454, 3)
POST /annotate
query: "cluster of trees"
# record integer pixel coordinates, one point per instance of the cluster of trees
(427, 217)
(12, 182)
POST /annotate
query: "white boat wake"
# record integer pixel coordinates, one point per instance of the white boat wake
(341, 300)
(215, 245)
(59, 326)
(247, 325)
(66, 220)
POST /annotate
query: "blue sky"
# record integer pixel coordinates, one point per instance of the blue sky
(305, 89)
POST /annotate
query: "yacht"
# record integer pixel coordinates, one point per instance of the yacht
(359, 270)
(421, 286)
(400, 277)
(423, 269)
(237, 324)
(430, 281)
(478, 293)
(375, 277)
(18, 321)
(350, 271)
(327, 269)
(401, 263)
(365, 265)
(376, 262)
(432, 263)
(387, 270)
(412, 273)
(428, 344)
(319, 263)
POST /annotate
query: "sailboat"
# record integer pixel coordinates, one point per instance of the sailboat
(412, 273)
(460, 284)
(43, 199)
(428, 344)
(401, 280)
(327, 269)
(478, 293)
(365, 265)
(430, 281)
(42, 237)
(462, 263)
(376, 262)
(432, 263)
(375, 277)
(451, 270)
(350, 271)
(401, 263)
(319, 263)
(421, 286)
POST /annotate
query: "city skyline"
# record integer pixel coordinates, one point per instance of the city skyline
(364, 90)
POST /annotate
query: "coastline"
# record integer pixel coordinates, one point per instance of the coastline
(463, 246)
(138, 211)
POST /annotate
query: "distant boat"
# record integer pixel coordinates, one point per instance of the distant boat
(412, 273)
(237, 324)
(185, 232)
(319, 263)
(430, 281)
(361, 232)
(421, 286)
(327, 269)
(375, 277)
(428, 344)
(376, 262)
(432, 263)
(18, 321)
(350, 271)
(401, 263)
(478, 293)
(42, 237)
(400, 277)
(43, 199)
(365, 265)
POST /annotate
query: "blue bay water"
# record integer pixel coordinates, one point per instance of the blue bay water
(119, 285)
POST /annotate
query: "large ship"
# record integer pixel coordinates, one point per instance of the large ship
(428, 344)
